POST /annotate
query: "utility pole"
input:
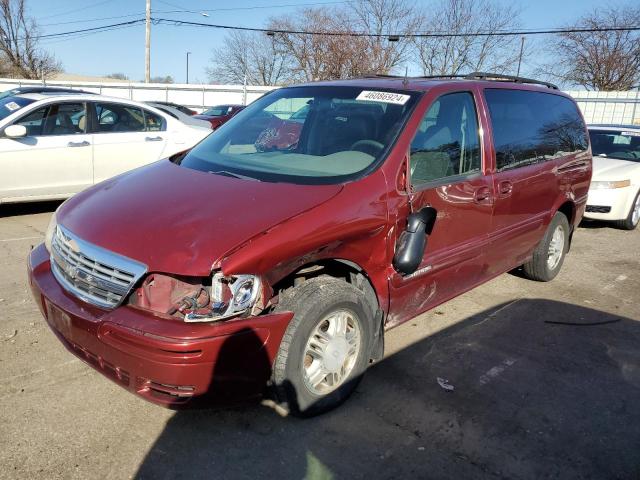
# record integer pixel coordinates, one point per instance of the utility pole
(147, 45)
(520, 57)
(188, 53)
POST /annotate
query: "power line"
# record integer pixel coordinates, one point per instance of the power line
(254, 7)
(92, 29)
(174, 22)
(89, 20)
(502, 33)
(82, 35)
(85, 7)
(228, 9)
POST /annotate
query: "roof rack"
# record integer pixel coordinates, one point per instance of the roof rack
(507, 78)
(498, 77)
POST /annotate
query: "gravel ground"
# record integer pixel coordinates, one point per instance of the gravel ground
(546, 379)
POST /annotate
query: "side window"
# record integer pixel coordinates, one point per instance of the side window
(153, 122)
(116, 118)
(531, 127)
(447, 143)
(59, 119)
(34, 121)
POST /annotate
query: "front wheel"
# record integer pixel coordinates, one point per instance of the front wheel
(633, 218)
(326, 348)
(548, 256)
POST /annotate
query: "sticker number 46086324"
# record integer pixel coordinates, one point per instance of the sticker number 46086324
(384, 97)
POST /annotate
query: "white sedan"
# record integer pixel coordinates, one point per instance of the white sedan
(53, 145)
(615, 187)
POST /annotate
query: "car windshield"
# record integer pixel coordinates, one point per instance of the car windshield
(9, 105)
(345, 132)
(8, 93)
(620, 144)
(216, 111)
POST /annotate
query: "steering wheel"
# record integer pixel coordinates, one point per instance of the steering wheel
(370, 147)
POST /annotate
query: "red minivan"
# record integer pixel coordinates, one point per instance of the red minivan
(243, 267)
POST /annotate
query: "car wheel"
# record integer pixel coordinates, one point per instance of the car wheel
(326, 348)
(632, 220)
(548, 256)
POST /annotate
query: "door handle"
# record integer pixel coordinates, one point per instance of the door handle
(153, 139)
(482, 194)
(78, 144)
(505, 188)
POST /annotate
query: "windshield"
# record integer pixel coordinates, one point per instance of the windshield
(620, 144)
(343, 132)
(9, 105)
(216, 111)
(9, 93)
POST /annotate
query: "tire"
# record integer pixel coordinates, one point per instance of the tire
(320, 303)
(542, 267)
(633, 218)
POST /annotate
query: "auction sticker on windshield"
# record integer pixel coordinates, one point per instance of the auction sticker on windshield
(385, 97)
(12, 106)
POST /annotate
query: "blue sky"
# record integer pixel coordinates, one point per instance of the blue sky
(123, 50)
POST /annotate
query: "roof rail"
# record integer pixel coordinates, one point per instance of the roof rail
(507, 78)
(498, 77)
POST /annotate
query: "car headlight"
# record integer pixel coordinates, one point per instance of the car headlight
(610, 185)
(51, 230)
(230, 296)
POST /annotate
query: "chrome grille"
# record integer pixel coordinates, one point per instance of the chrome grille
(91, 273)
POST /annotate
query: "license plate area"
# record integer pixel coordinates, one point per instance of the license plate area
(59, 320)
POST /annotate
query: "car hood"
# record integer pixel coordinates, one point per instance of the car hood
(181, 221)
(613, 169)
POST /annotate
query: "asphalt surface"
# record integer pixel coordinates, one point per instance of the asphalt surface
(545, 377)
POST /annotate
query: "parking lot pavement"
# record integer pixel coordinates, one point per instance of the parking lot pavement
(545, 381)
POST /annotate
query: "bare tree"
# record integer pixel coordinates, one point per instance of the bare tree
(118, 76)
(162, 79)
(384, 18)
(601, 60)
(334, 51)
(325, 55)
(19, 52)
(338, 50)
(255, 55)
(449, 55)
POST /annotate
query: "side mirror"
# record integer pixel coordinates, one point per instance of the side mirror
(413, 241)
(15, 131)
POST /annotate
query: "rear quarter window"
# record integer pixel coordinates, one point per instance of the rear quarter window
(531, 127)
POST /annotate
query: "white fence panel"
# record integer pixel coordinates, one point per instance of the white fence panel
(194, 96)
(597, 107)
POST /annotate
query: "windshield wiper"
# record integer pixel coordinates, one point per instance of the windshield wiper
(234, 175)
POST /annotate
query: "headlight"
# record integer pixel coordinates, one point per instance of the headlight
(245, 291)
(610, 185)
(230, 296)
(51, 230)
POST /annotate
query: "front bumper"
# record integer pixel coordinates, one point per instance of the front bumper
(162, 360)
(610, 204)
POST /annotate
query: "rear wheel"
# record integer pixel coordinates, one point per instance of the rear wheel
(633, 218)
(326, 348)
(548, 256)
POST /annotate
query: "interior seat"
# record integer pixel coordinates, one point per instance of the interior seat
(64, 125)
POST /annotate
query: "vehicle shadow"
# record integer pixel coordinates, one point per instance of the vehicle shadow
(540, 389)
(17, 209)
(595, 224)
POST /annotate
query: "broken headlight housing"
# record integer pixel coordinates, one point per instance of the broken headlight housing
(231, 296)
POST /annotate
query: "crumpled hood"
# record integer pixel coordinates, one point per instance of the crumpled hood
(608, 169)
(178, 220)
